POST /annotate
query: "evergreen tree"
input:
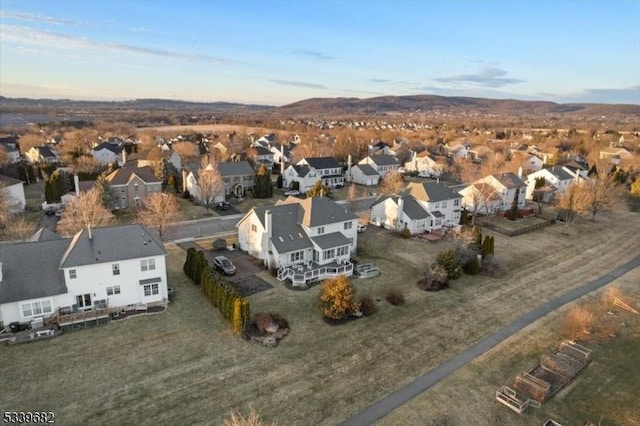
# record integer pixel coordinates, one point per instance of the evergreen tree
(263, 187)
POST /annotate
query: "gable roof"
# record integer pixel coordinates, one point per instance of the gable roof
(9, 181)
(334, 239)
(322, 162)
(366, 169)
(384, 160)
(235, 168)
(109, 147)
(509, 180)
(45, 151)
(413, 209)
(301, 170)
(111, 244)
(287, 235)
(22, 281)
(261, 150)
(318, 211)
(123, 175)
(560, 173)
(431, 191)
(44, 234)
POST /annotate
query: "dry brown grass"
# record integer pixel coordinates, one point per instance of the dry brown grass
(577, 323)
(186, 364)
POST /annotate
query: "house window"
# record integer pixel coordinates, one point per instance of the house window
(456, 202)
(438, 222)
(72, 274)
(329, 254)
(444, 204)
(254, 228)
(147, 265)
(83, 300)
(348, 225)
(113, 290)
(320, 230)
(436, 206)
(297, 256)
(343, 251)
(36, 308)
(115, 268)
(151, 289)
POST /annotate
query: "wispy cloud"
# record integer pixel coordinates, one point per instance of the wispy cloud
(300, 84)
(487, 77)
(380, 80)
(30, 17)
(56, 40)
(315, 54)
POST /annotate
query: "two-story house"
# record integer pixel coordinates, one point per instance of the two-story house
(557, 181)
(238, 177)
(99, 269)
(308, 171)
(494, 193)
(423, 162)
(305, 240)
(130, 186)
(106, 153)
(42, 154)
(327, 168)
(420, 207)
(381, 163)
(9, 144)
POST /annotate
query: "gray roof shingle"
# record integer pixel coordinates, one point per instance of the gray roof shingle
(22, 281)
(124, 174)
(384, 160)
(44, 234)
(366, 169)
(319, 163)
(110, 244)
(235, 168)
(431, 191)
(327, 241)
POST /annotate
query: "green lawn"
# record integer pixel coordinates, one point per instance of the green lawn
(186, 364)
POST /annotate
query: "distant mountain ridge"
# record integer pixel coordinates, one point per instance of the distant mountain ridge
(448, 105)
(343, 107)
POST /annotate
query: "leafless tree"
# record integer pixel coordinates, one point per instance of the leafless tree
(392, 183)
(351, 195)
(159, 210)
(4, 157)
(210, 183)
(83, 211)
(186, 150)
(599, 193)
(20, 228)
(30, 140)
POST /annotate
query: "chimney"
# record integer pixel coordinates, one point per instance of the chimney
(282, 159)
(520, 172)
(267, 228)
(438, 180)
(400, 213)
(89, 229)
(349, 166)
(76, 183)
(0, 272)
(124, 156)
(184, 180)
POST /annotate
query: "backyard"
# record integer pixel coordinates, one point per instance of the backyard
(186, 364)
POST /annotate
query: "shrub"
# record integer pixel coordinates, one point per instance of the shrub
(493, 267)
(337, 298)
(367, 305)
(405, 233)
(450, 261)
(577, 322)
(186, 194)
(263, 321)
(435, 279)
(395, 297)
(472, 267)
(279, 319)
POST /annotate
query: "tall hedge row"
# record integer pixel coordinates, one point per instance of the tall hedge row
(218, 290)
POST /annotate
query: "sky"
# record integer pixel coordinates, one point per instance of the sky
(278, 52)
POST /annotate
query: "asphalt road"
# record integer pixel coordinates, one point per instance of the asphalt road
(395, 399)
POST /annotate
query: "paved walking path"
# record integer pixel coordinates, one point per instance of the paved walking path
(392, 401)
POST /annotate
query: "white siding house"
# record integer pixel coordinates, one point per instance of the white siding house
(494, 193)
(106, 153)
(422, 162)
(306, 240)
(13, 190)
(381, 163)
(103, 268)
(421, 207)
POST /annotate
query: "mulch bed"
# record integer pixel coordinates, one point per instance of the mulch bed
(133, 313)
(334, 322)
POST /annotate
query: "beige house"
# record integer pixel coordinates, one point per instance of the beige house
(130, 186)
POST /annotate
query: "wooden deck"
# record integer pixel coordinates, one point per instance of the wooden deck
(64, 319)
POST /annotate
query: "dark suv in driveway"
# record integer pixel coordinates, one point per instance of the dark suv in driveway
(224, 265)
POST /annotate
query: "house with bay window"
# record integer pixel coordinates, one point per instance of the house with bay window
(98, 271)
(305, 240)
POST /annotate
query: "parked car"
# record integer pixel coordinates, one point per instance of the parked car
(361, 228)
(293, 192)
(402, 170)
(222, 205)
(224, 265)
(50, 212)
(424, 174)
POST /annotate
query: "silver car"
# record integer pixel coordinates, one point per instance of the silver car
(224, 265)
